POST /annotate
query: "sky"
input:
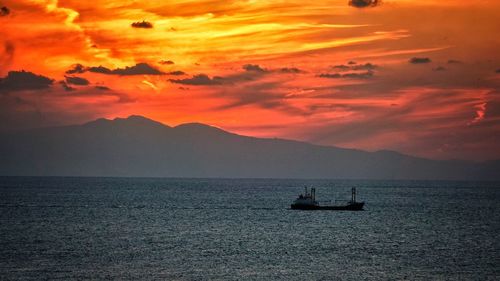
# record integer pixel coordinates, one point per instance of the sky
(418, 77)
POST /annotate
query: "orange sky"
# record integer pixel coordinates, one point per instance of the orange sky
(419, 77)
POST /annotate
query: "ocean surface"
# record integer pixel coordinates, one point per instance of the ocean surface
(222, 229)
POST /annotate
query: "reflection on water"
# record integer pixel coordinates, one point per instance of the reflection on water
(192, 229)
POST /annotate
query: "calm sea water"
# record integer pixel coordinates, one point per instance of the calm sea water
(192, 229)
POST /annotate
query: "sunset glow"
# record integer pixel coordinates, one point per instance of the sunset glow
(418, 77)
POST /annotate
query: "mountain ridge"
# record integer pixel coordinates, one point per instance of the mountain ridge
(138, 146)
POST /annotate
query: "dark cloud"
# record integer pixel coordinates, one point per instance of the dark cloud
(254, 67)
(66, 87)
(199, 80)
(364, 3)
(102, 88)
(177, 73)
(341, 67)
(290, 70)
(454, 62)
(353, 66)
(416, 60)
(330, 75)
(439, 68)
(498, 70)
(358, 75)
(73, 80)
(166, 62)
(4, 11)
(366, 66)
(252, 72)
(142, 24)
(351, 75)
(23, 80)
(138, 69)
(77, 68)
(99, 69)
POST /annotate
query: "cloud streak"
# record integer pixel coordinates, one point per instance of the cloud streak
(350, 75)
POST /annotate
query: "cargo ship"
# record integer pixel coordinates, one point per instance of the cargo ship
(307, 201)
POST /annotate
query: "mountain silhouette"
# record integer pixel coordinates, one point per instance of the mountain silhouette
(141, 147)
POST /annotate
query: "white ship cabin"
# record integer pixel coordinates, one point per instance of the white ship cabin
(308, 198)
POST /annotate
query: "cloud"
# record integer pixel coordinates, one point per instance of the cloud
(353, 66)
(73, 80)
(480, 112)
(290, 70)
(177, 73)
(142, 24)
(7, 54)
(138, 69)
(330, 75)
(102, 88)
(66, 87)
(364, 3)
(454, 62)
(23, 80)
(199, 80)
(166, 62)
(351, 75)
(341, 67)
(439, 68)
(498, 70)
(254, 67)
(358, 75)
(263, 95)
(416, 60)
(99, 69)
(366, 66)
(103, 91)
(77, 68)
(4, 11)
(251, 73)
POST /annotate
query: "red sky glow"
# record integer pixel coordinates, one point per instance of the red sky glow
(418, 77)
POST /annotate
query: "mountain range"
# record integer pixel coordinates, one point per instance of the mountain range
(140, 147)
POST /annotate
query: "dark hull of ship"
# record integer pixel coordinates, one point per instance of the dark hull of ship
(358, 206)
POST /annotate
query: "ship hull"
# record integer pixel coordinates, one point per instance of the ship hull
(358, 206)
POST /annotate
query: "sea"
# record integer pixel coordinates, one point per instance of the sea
(64, 228)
